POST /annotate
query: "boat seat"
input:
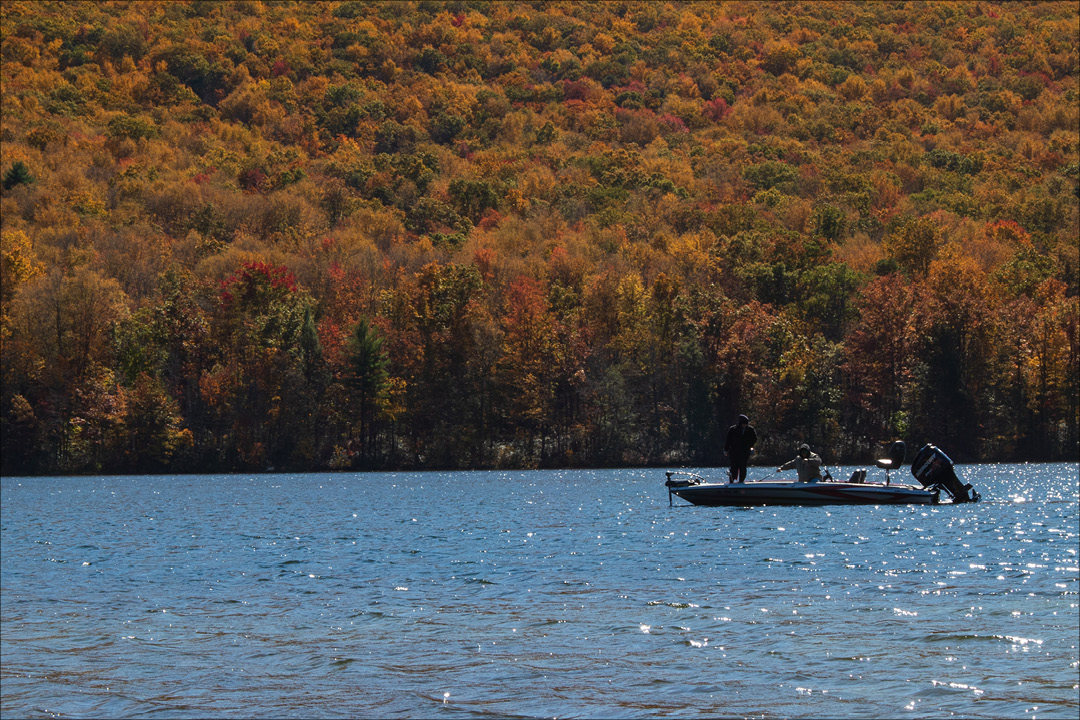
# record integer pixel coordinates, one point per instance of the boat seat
(897, 454)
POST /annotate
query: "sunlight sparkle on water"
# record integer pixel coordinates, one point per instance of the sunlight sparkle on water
(541, 612)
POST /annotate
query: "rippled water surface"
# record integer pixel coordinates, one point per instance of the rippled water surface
(532, 594)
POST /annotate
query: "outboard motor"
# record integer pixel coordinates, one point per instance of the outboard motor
(932, 467)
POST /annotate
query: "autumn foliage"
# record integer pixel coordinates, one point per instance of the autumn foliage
(345, 235)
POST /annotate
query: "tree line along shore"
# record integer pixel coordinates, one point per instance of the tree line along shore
(351, 235)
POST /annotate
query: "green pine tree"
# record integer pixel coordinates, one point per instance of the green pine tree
(17, 174)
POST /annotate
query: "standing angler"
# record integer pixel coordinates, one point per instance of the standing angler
(741, 438)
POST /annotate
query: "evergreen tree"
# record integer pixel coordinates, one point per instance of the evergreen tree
(17, 174)
(367, 367)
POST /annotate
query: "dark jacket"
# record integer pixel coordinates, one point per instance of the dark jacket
(740, 440)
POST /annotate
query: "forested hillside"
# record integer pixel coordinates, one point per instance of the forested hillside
(340, 235)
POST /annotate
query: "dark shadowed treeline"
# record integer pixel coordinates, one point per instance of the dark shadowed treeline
(475, 234)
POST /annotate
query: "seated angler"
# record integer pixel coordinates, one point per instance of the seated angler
(807, 464)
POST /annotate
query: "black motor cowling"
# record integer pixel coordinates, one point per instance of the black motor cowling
(932, 467)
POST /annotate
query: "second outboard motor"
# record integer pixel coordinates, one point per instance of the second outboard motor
(933, 467)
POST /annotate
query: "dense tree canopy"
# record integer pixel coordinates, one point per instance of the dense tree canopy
(468, 234)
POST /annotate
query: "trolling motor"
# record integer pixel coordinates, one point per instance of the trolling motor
(683, 479)
(933, 468)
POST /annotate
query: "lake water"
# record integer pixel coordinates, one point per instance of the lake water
(532, 594)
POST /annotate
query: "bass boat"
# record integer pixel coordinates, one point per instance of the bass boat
(931, 467)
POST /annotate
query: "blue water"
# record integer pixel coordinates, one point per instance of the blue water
(532, 594)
